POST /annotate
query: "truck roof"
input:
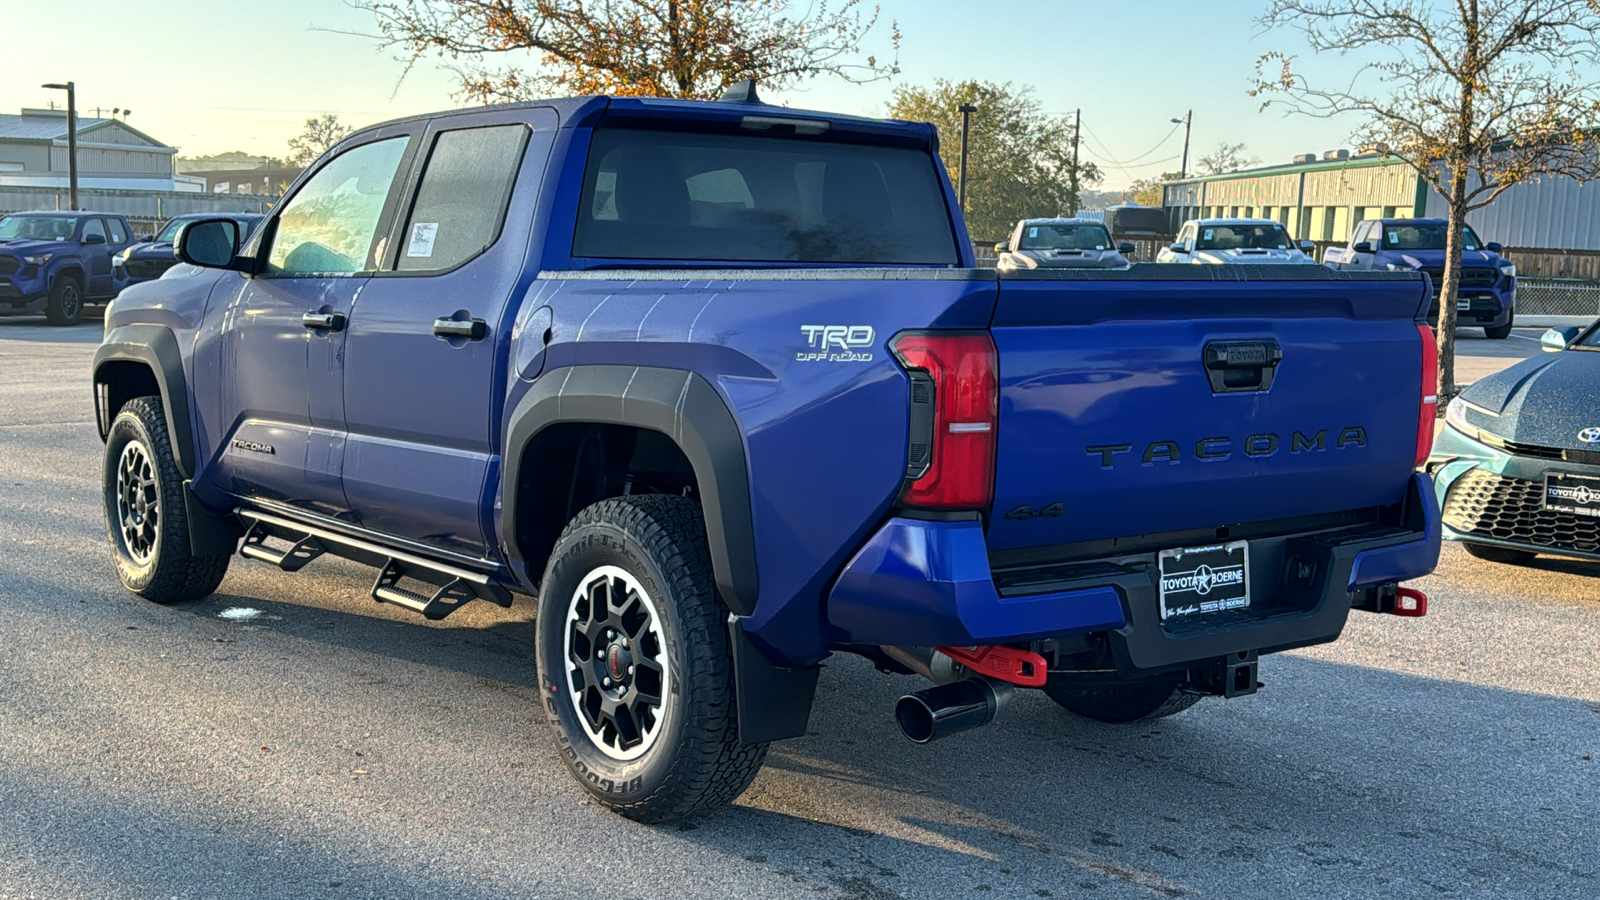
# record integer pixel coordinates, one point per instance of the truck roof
(1061, 220)
(1399, 220)
(1236, 221)
(74, 213)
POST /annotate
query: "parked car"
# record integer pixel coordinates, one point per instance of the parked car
(151, 259)
(1487, 294)
(1517, 470)
(1061, 244)
(720, 385)
(55, 262)
(1236, 242)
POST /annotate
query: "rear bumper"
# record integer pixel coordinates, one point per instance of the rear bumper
(920, 583)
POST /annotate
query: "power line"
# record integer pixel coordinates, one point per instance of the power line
(1126, 162)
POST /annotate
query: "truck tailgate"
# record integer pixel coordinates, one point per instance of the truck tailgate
(1112, 423)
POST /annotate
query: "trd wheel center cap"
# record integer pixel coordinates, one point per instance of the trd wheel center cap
(619, 663)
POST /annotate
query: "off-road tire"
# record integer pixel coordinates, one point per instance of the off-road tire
(65, 305)
(1122, 701)
(695, 762)
(1505, 555)
(170, 573)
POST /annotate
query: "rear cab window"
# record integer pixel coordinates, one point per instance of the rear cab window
(664, 195)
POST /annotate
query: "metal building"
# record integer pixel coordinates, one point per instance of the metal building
(1323, 199)
(111, 154)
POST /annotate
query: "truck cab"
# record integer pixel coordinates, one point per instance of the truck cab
(1487, 295)
(56, 262)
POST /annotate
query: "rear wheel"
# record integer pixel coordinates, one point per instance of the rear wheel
(66, 302)
(634, 661)
(1500, 554)
(1122, 701)
(146, 520)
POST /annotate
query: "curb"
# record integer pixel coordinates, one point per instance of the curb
(1553, 321)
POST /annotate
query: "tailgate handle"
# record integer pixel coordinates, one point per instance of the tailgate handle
(1238, 366)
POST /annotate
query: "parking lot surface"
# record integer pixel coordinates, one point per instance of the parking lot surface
(288, 737)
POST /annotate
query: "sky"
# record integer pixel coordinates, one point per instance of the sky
(209, 76)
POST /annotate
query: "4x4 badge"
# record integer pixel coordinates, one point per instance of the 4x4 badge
(1590, 435)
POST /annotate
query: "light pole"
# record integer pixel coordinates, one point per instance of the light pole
(966, 110)
(1186, 121)
(72, 139)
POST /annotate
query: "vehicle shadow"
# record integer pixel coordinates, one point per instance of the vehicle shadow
(34, 329)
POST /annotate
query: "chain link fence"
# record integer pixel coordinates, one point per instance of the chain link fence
(1557, 297)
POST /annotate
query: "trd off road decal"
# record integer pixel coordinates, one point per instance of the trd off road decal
(836, 343)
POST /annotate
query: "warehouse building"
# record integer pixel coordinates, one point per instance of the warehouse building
(1551, 227)
(111, 154)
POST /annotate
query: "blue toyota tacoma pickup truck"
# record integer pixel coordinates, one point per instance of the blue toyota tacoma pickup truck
(720, 386)
(1487, 295)
(55, 262)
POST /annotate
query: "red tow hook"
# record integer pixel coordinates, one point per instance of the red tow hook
(1020, 667)
(1410, 602)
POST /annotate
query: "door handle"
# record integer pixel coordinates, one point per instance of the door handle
(471, 329)
(330, 321)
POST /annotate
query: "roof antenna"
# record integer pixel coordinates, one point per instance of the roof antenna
(741, 92)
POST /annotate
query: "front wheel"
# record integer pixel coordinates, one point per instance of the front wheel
(146, 520)
(1122, 701)
(66, 302)
(634, 661)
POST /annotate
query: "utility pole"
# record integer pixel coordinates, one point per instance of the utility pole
(966, 110)
(1186, 121)
(72, 139)
(1077, 126)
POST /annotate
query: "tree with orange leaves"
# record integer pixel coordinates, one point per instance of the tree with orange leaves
(665, 48)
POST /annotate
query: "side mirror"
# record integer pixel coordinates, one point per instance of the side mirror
(1178, 248)
(94, 239)
(211, 243)
(1125, 247)
(1308, 248)
(1362, 247)
(1003, 247)
(143, 238)
(1556, 339)
(1495, 247)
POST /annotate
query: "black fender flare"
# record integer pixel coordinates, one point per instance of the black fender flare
(675, 402)
(155, 347)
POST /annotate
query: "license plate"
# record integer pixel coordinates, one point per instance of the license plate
(1463, 304)
(1575, 494)
(1199, 581)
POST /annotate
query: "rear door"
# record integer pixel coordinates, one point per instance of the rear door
(424, 371)
(1165, 399)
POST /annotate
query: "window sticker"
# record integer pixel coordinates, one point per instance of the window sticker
(1207, 236)
(1394, 237)
(1099, 246)
(422, 235)
(1033, 232)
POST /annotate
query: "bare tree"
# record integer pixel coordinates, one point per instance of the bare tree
(663, 48)
(317, 138)
(1226, 158)
(1476, 95)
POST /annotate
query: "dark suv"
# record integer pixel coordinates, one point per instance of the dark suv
(55, 262)
(150, 260)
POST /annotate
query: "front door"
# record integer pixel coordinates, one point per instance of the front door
(280, 347)
(423, 374)
(96, 256)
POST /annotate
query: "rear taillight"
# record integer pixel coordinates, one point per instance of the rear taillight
(1430, 393)
(951, 457)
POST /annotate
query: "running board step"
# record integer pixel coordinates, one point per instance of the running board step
(448, 587)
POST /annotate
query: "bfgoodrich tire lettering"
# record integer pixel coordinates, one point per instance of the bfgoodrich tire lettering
(689, 760)
(146, 521)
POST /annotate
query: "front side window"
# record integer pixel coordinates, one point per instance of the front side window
(37, 228)
(1063, 236)
(1243, 237)
(462, 198)
(329, 225)
(93, 227)
(1424, 237)
(747, 198)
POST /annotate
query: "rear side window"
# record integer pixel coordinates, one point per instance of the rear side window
(737, 198)
(119, 235)
(462, 199)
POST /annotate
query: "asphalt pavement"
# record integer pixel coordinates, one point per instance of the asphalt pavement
(289, 738)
